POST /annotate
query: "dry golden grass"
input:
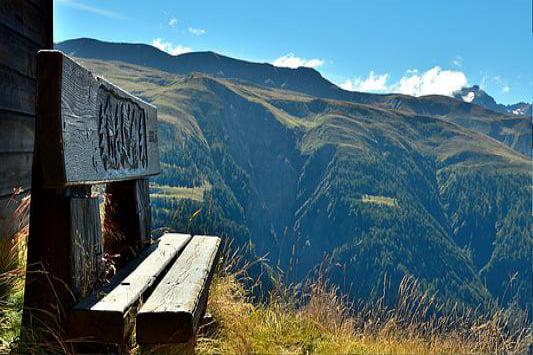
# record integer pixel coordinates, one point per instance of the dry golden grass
(313, 318)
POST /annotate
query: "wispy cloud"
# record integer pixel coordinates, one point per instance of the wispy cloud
(169, 47)
(496, 82)
(173, 22)
(434, 81)
(291, 61)
(88, 8)
(197, 31)
(458, 61)
(506, 89)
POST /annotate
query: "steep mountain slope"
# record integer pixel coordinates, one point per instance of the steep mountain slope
(384, 193)
(515, 131)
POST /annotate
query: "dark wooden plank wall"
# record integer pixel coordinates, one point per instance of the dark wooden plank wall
(25, 27)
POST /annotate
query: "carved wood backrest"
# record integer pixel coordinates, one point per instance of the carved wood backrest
(88, 131)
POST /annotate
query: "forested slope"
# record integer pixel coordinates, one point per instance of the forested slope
(383, 192)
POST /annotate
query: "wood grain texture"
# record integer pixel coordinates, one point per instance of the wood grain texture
(173, 310)
(48, 147)
(25, 27)
(106, 134)
(17, 92)
(15, 172)
(111, 305)
(18, 53)
(18, 132)
(32, 19)
(47, 293)
(127, 219)
(87, 266)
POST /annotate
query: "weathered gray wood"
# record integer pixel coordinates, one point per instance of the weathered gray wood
(15, 172)
(17, 92)
(18, 52)
(62, 245)
(25, 27)
(86, 244)
(105, 133)
(17, 132)
(31, 21)
(127, 218)
(102, 317)
(172, 312)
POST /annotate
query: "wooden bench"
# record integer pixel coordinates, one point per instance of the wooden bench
(90, 132)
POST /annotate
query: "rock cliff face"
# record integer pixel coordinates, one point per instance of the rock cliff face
(382, 192)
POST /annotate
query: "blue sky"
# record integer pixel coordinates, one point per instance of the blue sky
(414, 47)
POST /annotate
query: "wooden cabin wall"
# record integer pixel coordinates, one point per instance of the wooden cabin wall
(25, 27)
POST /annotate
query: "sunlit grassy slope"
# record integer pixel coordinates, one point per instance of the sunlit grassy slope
(289, 173)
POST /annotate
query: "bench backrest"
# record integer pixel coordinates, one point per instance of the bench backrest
(95, 132)
(88, 131)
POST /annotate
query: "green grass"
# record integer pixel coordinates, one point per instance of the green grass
(13, 237)
(10, 320)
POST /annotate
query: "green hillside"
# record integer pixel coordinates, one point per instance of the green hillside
(485, 116)
(382, 192)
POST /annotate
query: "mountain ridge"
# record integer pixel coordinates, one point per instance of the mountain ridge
(147, 55)
(510, 129)
(475, 94)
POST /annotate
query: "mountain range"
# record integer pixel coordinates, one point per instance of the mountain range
(513, 130)
(288, 164)
(476, 95)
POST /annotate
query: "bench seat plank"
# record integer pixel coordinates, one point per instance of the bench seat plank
(102, 315)
(172, 311)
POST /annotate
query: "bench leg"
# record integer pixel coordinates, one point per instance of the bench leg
(64, 257)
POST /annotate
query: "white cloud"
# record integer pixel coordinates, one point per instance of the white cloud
(169, 47)
(469, 97)
(373, 83)
(197, 31)
(173, 22)
(347, 85)
(434, 81)
(87, 8)
(292, 61)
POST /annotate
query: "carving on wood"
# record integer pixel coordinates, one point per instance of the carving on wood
(121, 132)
